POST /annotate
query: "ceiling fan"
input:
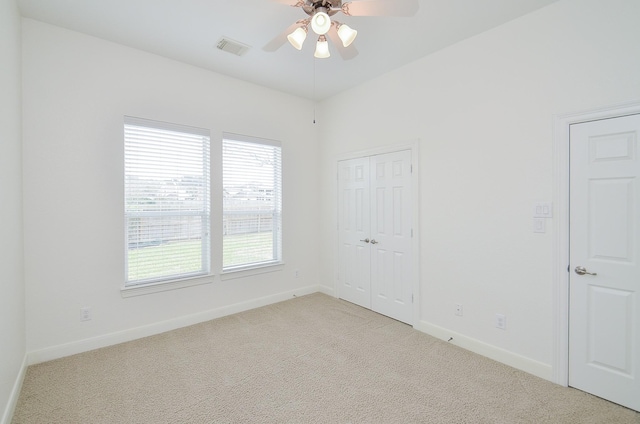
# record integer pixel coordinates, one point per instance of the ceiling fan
(320, 13)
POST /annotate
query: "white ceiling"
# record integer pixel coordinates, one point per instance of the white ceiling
(188, 31)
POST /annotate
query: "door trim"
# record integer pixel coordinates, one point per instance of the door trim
(560, 278)
(414, 147)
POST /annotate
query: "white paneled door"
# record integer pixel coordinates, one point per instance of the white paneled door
(354, 232)
(374, 226)
(604, 323)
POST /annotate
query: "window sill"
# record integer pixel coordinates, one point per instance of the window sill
(249, 271)
(150, 288)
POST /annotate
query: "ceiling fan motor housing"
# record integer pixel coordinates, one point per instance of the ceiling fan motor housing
(330, 7)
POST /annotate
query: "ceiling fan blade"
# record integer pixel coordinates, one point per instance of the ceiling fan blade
(347, 53)
(280, 39)
(398, 8)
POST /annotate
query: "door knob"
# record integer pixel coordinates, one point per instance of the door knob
(580, 270)
(365, 240)
(373, 241)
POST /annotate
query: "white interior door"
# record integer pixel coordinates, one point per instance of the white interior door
(604, 323)
(353, 236)
(391, 282)
(374, 233)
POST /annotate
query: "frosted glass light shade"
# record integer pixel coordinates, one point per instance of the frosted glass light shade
(322, 48)
(320, 23)
(346, 34)
(297, 37)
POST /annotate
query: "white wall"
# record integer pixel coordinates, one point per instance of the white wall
(483, 111)
(12, 303)
(76, 91)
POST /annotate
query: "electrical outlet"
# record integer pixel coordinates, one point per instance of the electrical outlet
(85, 314)
(297, 273)
(501, 321)
(458, 310)
(543, 210)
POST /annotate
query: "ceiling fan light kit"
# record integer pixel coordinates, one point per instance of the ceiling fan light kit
(297, 37)
(321, 22)
(322, 48)
(346, 34)
(321, 11)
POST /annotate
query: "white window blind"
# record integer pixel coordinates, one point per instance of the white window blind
(167, 198)
(252, 202)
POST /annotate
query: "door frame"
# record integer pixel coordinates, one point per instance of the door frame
(560, 278)
(414, 147)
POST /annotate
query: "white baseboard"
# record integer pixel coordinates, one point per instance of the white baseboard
(329, 291)
(7, 416)
(506, 357)
(60, 351)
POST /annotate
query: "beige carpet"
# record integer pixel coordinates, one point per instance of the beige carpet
(313, 359)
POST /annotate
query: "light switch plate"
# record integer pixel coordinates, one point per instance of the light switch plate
(543, 210)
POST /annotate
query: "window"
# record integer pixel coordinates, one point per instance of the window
(167, 199)
(252, 198)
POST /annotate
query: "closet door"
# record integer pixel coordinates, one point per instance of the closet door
(353, 224)
(391, 279)
(374, 233)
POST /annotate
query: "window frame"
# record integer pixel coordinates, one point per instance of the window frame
(181, 279)
(275, 264)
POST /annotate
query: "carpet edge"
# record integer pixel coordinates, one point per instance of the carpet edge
(79, 346)
(528, 365)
